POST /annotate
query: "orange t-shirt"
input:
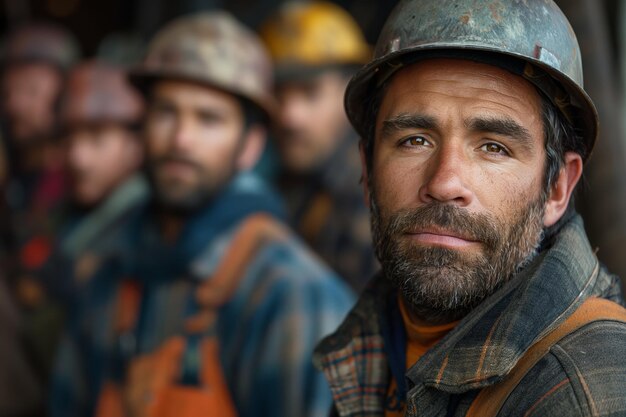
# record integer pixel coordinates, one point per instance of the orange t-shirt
(419, 339)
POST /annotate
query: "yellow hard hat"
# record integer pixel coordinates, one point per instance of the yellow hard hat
(314, 34)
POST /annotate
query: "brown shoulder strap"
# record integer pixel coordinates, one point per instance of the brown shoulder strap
(255, 232)
(491, 399)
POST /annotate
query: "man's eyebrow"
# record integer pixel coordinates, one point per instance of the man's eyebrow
(501, 126)
(407, 121)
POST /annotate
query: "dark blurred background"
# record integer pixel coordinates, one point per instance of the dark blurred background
(94, 21)
(101, 26)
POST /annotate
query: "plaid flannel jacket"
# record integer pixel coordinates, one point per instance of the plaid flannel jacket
(583, 375)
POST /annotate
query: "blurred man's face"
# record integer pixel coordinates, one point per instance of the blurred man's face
(194, 138)
(312, 120)
(99, 158)
(29, 95)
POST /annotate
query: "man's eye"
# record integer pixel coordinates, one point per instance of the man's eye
(494, 148)
(415, 141)
(209, 118)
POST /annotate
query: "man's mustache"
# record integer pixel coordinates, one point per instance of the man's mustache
(445, 217)
(178, 159)
(293, 135)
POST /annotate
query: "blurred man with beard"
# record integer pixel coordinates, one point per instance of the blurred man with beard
(491, 300)
(216, 307)
(316, 47)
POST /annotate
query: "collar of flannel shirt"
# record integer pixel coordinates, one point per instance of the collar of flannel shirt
(479, 352)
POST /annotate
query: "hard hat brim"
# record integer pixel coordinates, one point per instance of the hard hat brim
(143, 80)
(363, 85)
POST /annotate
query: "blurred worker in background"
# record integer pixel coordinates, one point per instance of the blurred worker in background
(35, 60)
(216, 307)
(316, 48)
(100, 118)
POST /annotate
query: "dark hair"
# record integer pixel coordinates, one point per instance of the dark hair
(559, 134)
(252, 114)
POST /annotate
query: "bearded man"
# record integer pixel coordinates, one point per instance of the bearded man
(491, 300)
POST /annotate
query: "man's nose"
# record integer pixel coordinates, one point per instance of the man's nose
(447, 178)
(292, 112)
(182, 136)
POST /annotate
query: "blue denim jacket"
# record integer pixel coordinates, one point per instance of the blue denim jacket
(582, 375)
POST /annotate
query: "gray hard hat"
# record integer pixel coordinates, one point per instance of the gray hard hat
(211, 48)
(531, 38)
(97, 92)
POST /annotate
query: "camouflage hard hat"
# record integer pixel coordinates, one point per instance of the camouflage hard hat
(41, 42)
(211, 48)
(97, 92)
(531, 38)
(314, 34)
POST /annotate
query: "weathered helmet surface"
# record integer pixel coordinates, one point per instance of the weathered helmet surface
(314, 34)
(96, 93)
(41, 42)
(529, 37)
(211, 48)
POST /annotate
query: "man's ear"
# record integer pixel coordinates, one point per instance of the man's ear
(561, 191)
(365, 176)
(253, 145)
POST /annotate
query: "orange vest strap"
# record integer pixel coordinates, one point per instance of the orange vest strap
(315, 217)
(110, 401)
(256, 231)
(491, 399)
(127, 309)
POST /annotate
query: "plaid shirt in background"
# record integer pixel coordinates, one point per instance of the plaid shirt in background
(285, 303)
(583, 375)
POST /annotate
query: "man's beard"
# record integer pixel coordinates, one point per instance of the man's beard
(173, 198)
(441, 284)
